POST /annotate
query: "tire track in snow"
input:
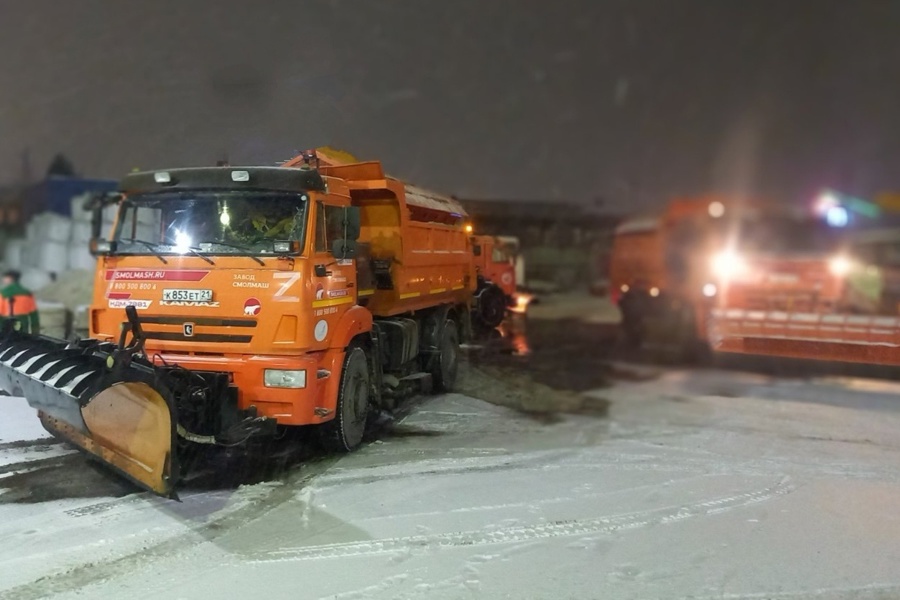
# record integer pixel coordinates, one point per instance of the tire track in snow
(527, 533)
(529, 503)
(705, 463)
(572, 458)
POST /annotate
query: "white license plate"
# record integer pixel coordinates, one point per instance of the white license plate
(187, 295)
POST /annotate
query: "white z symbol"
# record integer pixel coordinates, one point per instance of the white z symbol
(291, 280)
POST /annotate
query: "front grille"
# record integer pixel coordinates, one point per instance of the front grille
(147, 323)
(205, 321)
(174, 336)
(804, 302)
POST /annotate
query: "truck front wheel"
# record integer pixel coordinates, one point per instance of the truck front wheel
(490, 307)
(344, 433)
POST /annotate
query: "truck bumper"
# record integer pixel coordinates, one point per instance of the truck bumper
(312, 404)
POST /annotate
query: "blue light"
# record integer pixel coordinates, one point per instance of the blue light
(837, 216)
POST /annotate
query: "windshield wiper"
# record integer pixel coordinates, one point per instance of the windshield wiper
(236, 247)
(203, 256)
(150, 246)
(153, 248)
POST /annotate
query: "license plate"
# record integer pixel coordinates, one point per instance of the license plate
(187, 295)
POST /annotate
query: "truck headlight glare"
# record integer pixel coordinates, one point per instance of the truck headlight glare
(840, 266)
(284, 378)
(728, 264)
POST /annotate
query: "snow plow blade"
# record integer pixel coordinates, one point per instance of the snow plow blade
(100, 397)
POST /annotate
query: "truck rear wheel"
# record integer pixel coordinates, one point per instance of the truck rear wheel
(443, 373)
(633, 308)
(344, 433)
(694, 349)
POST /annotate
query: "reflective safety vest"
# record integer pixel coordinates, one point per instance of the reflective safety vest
(18, 304)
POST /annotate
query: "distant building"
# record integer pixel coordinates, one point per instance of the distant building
(565, 245)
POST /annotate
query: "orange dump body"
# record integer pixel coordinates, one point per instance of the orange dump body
(298, 310)
(637, 257)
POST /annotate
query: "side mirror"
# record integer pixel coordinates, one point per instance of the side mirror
(97, 203)
(342, 249)
(351, 223)
(100, 247)
(476, 250)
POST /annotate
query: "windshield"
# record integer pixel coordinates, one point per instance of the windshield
(692, 241)
(211, 222)
(500, 254)
(760, 235)
(780, 235)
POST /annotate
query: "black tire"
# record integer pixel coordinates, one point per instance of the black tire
(691, 347)
(491, 309)
(344, 433)
(632, 307)
(446, 365)
(631, 328)
(632, 331)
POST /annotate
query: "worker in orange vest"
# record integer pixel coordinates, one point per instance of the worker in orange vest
(17, 303)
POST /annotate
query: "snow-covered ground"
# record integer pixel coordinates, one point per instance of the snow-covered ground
(698, 485)
(580, 306)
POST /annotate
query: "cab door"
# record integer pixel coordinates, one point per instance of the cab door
(333, 280)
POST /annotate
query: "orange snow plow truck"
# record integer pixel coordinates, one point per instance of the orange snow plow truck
(675, 276)
(846, 310)
(230, 302)
(496, 271)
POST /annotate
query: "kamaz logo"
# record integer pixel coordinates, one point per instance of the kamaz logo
(188, 329)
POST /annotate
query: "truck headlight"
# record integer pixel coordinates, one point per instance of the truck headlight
(284, 378)
(728, 264)
(840, 266)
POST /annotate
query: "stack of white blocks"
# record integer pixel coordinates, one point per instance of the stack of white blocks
(80, 234)
(55, 244)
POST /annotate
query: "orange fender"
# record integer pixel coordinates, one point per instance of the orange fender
(355, 321)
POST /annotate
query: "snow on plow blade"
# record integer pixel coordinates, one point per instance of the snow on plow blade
(100, 398)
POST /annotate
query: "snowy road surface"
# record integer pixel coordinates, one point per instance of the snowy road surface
(698, 485)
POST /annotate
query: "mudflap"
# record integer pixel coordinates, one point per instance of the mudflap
(118, 411)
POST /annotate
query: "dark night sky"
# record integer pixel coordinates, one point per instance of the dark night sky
(491, 98)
